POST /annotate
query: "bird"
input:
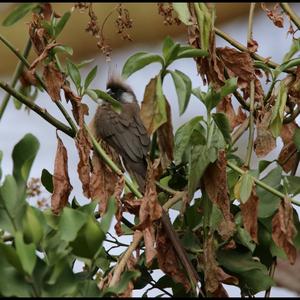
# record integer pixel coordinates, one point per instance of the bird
(124, 131)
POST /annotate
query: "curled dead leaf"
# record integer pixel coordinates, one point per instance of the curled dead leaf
(103, 179)
(61, 182)
(265, 141)
(252, 46)
(84, 146)
(215, 183)
(54, 80)
(283, 229)
(288, 157)
(165, 139)
(249, 212)
(274, 15)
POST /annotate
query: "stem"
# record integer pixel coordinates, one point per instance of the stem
(262, 184)
(122, 263)
(251, 126)
(239, 46)
(16, 76)
(177, 197)
(238, 133)
(166, 188)
(289, 11)
(250, 22)
(39, 110)
(27, 64)
(271, 274)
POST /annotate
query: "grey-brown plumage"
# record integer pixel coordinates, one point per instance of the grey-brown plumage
(125, 132)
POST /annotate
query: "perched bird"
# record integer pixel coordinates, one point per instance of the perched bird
(124, 132)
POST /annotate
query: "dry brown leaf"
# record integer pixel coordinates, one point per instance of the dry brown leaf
(130, 265)
(283, 229)
(273, 15)
(288, 157)
(167, 259)
(165, 140)
(258, 94)
(249, 212)
(238, 64)
(265, 141)
(117, 194)
(84, 146)
(103, 179)
(61, 182)
(252, 46)
(288, 131)
(54, 80)
(44, 54)
(215, 183)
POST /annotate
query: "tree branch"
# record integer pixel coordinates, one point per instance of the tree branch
(291, 13)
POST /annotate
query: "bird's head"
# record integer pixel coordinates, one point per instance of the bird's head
(120, 90)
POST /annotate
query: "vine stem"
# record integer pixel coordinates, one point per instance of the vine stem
(294, 17)
(39, 110)
(16, 76)
(262, 184)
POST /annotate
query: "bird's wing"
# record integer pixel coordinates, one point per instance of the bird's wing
(125, 132)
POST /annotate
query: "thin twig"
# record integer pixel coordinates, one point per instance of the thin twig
(238, 133)
(292, 14)
(271, 274)
(16, 76)
(39, 110)
(262, 184)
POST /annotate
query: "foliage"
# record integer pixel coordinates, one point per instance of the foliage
(234, 220)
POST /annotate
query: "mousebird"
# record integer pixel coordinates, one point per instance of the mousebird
(124, 132)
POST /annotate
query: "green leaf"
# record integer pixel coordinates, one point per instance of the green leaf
(138, 61)
(183, 87)
(23, 156)
(26, 253)
(269, 203)
(278, 110)
(293, 184)
(64, 49)
(9, 194)
(295, 47)
(252, 274)
(171, 54)
(263, 164)
(33, 223)
(1, 156)
(182, 137)
(61, 23)
(107, 217)
(289, 64)
(84, 63)
(168, 43)
(183, 12)
(71, 221)
(223, 124)
(89, 239)
(92, 94)
(198, 161)
(296, 138)
(189, 52)
(106, 97)
(246, 187)
(18, 13)
(74, 74)
(90, 77)
(47, 180)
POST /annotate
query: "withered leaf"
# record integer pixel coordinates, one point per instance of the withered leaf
(249, 212)
(54, 80)
(44, 54)
(273, 15)
(165, 139)
(265, 141)
(117, 194)
(252, 46)
(283, 229)
(238, 64)
(288, 156)
(215, 183)
(288, 131)
(61, 182)
(167, 259)
(84, 146)
(153, 109)
(28, 78)
(103, 179)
